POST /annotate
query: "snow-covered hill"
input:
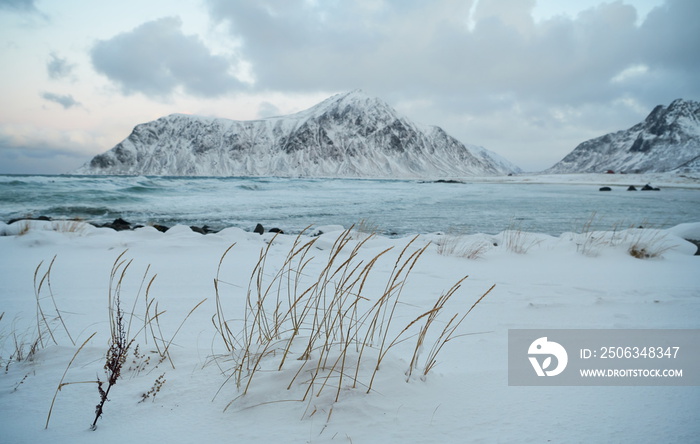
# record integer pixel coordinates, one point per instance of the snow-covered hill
(347, 135)
(667, 140)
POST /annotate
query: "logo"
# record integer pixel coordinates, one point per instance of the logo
(542, 346)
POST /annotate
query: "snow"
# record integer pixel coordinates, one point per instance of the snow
(667, 140)
(346, 135)
(576, 280)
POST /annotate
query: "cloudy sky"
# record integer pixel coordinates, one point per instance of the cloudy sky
(528, 79)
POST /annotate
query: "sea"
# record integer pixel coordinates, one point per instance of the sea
(390, 207)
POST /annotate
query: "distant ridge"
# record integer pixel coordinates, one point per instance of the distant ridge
(346, 135)
(667, 140)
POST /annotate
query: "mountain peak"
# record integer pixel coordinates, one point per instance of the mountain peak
(347, 135)
(668, 139)
(352, 99)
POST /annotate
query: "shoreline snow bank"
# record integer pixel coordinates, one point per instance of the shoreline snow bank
(668, 180)
(576, 280)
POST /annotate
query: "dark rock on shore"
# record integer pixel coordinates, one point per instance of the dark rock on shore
(631, 188)
(605, 189)
(120, 224)
(697, 244)
(11, 221)
(261, 230)
(648, 187)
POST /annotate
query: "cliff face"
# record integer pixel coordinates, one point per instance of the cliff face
(667, 140)
(347, 135)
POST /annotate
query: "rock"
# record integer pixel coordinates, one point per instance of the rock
(605, 189)
(161, 228)
(259, 229)
(631, 188)
(648, 187)
(119, 224)
(276, 230)
(45, 218)
(697, 244)
(204, 229)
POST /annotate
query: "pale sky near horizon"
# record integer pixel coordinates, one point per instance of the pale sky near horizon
(527, 79)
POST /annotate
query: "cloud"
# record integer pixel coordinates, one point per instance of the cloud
(472, 49)
(66, 101)
(156, 58)
(38, 150)
(19, 5)
(58, 68)
(26, 9)
(485, 70)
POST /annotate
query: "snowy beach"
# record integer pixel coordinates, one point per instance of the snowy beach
(350, 222)
(181, 383)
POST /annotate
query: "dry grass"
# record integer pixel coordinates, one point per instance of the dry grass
(641, 243)
(647, 243)
(49, 322)
(517, 241)
(122, 339)
(589, 242)
(456, 245)
(76, 226)
(24, 227)
(320, 331)
(364, 229)
(311, 322)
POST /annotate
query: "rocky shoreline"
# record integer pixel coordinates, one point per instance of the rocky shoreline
(120, 224)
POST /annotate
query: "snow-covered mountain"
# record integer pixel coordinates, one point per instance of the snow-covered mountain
(347, 135)
(667, 140)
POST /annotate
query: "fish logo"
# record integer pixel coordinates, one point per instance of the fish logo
(542, 346)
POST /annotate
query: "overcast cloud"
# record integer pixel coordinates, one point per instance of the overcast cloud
(496, 73)
(18, 5)
(156, 58)
(477, 51)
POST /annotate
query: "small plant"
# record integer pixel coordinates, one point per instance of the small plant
(42, 323)
(648, 243)
(589, 242)
(122, 341)
(365, 228)
(69, 226)
(517, 241)
(24, 227)
(154, 390)
(461, 246)
(48, 321)
(119, 342)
